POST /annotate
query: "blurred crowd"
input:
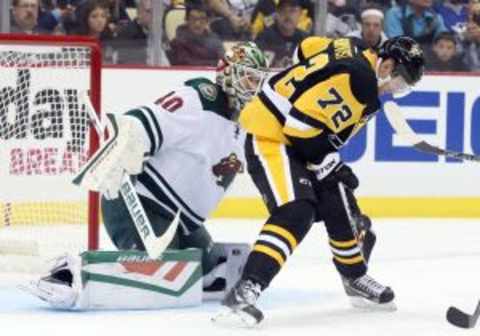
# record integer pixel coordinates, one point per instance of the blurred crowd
(196, 32)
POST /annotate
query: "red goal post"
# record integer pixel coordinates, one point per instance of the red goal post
(41, 81)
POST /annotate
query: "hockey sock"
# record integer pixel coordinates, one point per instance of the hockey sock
(280, 235)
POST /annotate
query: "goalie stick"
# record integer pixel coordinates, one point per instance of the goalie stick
(463, 320)
(401, 127)
(154, 245)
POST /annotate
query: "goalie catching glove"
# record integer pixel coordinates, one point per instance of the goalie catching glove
(123, 153)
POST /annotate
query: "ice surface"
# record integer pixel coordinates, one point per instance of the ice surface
(431, 264)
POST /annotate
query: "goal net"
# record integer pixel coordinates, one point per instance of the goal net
(45, 137)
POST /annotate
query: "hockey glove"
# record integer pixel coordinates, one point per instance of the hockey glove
(332, 170)
(123, 153)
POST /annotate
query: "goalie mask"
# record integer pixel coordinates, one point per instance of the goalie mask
(241, 73)
(408, 63)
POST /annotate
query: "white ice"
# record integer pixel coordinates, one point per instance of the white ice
(431, 264)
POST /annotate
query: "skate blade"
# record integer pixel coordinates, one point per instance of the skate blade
(234, 318)
(362, 303)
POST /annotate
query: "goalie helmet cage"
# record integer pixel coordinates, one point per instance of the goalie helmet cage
(45, 137)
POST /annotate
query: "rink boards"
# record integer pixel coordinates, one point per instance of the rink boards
(395, 179)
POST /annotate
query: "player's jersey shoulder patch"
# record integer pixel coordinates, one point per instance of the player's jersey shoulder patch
(204, 86)
(211, 96)
(208, 91)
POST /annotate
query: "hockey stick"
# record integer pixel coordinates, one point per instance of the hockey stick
(154, 245)
(401, 127)
(463, 320)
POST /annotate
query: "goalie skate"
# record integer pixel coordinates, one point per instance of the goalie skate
(365, 292)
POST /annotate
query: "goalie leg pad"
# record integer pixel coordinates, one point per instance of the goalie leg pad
(122, 280)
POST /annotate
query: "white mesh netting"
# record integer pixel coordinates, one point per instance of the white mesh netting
(44, 139)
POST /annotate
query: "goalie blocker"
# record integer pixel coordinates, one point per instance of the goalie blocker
(132, 280)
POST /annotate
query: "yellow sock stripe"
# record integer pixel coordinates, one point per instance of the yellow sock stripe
(344, 244)
(281, 232)
(270, 252)
(349, 261)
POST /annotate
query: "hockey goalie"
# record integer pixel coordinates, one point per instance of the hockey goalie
(181, 153)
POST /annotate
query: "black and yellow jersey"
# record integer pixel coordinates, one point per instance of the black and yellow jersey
(317, 104)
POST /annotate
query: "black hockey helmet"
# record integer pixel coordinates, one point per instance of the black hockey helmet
(408, 56)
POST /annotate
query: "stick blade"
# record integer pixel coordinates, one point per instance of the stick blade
(155, 246)
(458, 318)
(399, 124)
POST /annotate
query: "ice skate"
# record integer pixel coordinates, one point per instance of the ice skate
(239, 304)
(366, 292)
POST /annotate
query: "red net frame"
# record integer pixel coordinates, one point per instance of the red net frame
(95, 96)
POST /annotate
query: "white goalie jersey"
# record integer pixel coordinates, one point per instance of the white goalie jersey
(195, 151)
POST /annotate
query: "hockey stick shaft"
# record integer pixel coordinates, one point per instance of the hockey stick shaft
(99, 126)
(154, 245)
(401, 127)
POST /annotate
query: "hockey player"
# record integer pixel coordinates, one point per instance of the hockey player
(299, 120)
(184, 150)
(185, 169)
(361, 223)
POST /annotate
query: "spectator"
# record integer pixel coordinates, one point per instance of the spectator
(194, 43)
(234, 23)
(444, 56)
(65, 13)
(345, 10)
(336, 27)
(383, 4)
(371, 31)
(472, 37)
(454, 14)
(132, 41)
(46, 19)
(263, 16)
(280, 40)
(93, 21)
(25, 17)
(118, 15)
(416, 19)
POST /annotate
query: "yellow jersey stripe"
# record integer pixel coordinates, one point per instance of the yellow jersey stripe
(281, 232)
(260, 120)
(271, 155)
(270, 252)
(305, 134)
